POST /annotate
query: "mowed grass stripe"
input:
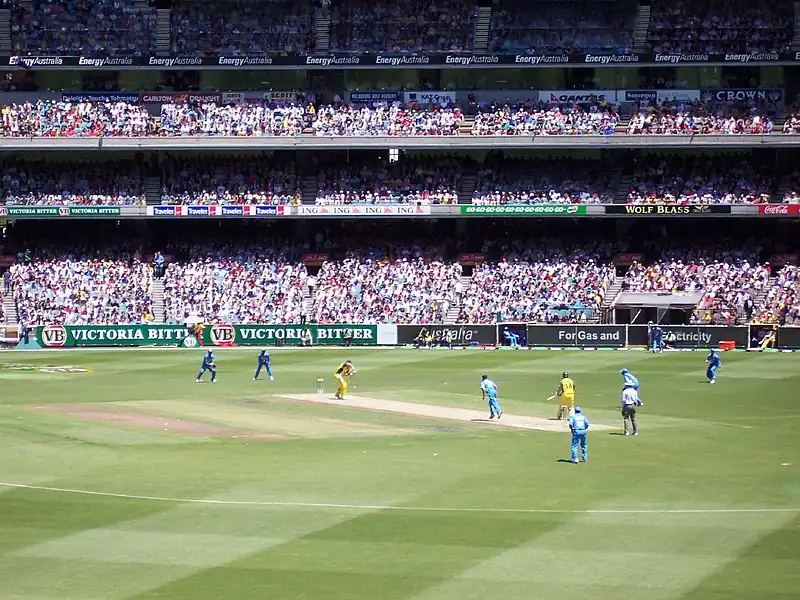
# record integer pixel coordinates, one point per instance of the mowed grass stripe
(657, 558)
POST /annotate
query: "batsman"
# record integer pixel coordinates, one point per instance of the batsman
(345, 371)
(566, 397)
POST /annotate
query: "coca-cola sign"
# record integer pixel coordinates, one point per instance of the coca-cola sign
(779, 209)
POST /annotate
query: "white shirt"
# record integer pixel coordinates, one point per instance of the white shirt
(630, 397)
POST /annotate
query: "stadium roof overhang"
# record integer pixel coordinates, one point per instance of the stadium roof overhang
(657, 300)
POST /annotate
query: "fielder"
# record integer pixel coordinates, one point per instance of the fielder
(207, 365)
(345, 371)
(629, 403)
(489, 392)
(714, 362)
(263, 363)
(566, 397)
(579, 425)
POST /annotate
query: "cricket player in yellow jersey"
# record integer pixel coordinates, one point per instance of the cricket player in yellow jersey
(566, 397)
(345, 371)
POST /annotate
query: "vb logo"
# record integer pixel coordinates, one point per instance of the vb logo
(54, 336)
(222, 334)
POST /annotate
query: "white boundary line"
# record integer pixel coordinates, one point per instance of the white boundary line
(635, 511)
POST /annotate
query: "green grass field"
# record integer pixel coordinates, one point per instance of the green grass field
(132, 482)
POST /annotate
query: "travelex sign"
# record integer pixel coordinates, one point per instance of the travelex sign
(525, 210)
(408, 60)
(216, 210)
(289, 335)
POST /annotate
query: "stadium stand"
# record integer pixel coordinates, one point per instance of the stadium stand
(85, 27)
(241, 27)
(556, 181)
(253, 285)
(546, 120)
(230, 180)
(692, 179)
(415, 26)
(699, 119)
(563, 26)
(48, 118)
(394, 120)
(782, 301)
(81, 290)
(691, 26)
(40, 182)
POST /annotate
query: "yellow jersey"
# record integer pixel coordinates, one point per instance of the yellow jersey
(345, 369)
(567, 387)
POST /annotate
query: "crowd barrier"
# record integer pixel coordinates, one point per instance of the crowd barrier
(530, 335)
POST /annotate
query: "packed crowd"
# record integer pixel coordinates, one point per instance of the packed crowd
(251, 119)
(792, 123)
(415, 180)
(699, 119)
(782, 302)
(791, 195)
(405, 290)
(682, 179)
(55, 118)
(46, 183)
(72, 290)
(413, 26)
(230, 180)
(562, 27)
(393, 120)
(706, 26)
(546, 120)
(257, 285)
(558, 181)
(84, 27)
(725, 281)
(241, 27)
(538, 286)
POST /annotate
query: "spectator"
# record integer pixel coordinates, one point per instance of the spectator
(562, 27)
(83, 27)
(416, 26)
(241, 27)
(261, 179)
(93, 183)
(253, 286)
(521, 181)
(382, 291)
(82, 291)
(547, 120)
(717, 179)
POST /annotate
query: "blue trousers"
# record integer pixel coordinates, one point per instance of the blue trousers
(513, 340)
(494, 407)
(711, 373)
(204, 369)
(579, 441)
(262, 366)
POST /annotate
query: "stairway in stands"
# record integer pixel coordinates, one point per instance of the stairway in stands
(158, 300)
(608, 301)
(466, 188)
(310, 189)
(163, 32)
(455, 308)
(5, 32)
(10, 309)
(641, 26)
(322, 30)
(480, 37)
(152, 190)
(623, 189)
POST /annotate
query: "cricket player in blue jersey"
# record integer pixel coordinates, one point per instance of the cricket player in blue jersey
(489, 392)
(579, 425)
(629, 379)
(263, 363)
(656, 338)
(511, 338)
(208, 365)
(713, 361)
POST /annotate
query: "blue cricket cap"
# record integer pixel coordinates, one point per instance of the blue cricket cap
(577, 409)
(623, 370)
(484, 377)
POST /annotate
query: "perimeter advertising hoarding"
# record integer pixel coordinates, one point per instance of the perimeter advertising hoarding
(455, 335)
(692, 336)
(579, 336)
(666, 210)
(58, 336)
(289, 335)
